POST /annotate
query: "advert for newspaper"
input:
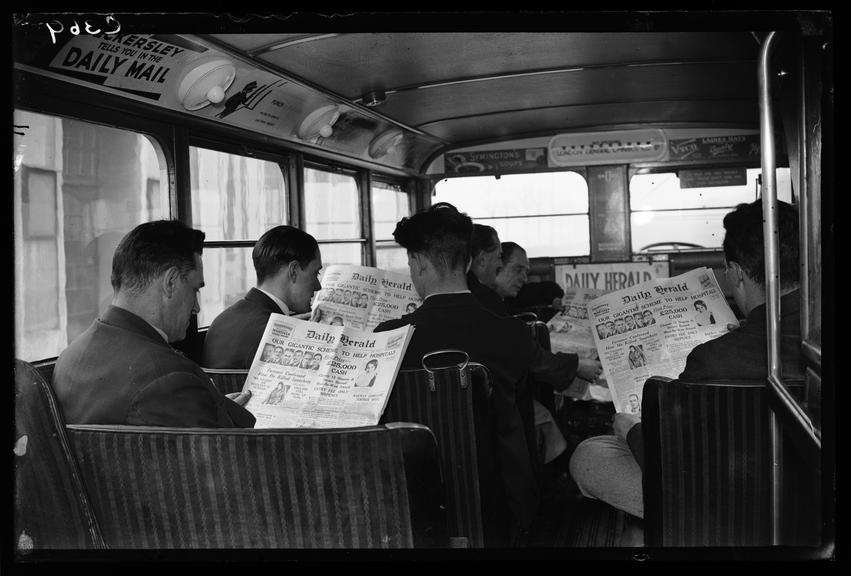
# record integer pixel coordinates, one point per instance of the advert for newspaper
(649, 329)
(363, 297)
(311, 375)
(571, 332)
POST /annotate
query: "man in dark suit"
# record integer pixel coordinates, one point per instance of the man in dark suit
(121, 370)
(287, 262)
(609, 467)
(438, 245)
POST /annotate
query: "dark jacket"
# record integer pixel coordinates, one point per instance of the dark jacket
(235, 334)
(121, 371)
(503, 344)
(741, 355)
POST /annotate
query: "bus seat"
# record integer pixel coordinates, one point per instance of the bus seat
(708, 460)
(544, 392)
(369, 487)
(227, 380)
(52, 508)
(453, 402)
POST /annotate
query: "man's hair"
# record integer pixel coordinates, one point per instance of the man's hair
(439, 232)
(485, 239)
(743, 241)
(508, 250)
(150, 249)
(279, 246)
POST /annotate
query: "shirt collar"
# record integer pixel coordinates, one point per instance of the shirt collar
(445, 293)
(160, 332)
(277, 301)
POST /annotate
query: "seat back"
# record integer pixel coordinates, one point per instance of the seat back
(168, 488)
(227, 380)
(708, 463)
(452, 402)
(52, 507)
(543, 392)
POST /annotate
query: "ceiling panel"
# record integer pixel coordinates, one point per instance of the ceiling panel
(348, 63)
(597, 117)
(624, 85)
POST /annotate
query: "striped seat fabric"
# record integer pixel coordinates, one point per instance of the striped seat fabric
(708, 463)
(52, 510)
(452, 402)
(269, 488)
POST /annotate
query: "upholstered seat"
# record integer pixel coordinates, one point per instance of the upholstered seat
(52, 509)
(452, 401)
(708, 466)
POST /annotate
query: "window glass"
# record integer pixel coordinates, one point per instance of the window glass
(662, 212)
(331, 205)
(78, 189)
(235, 197)
(390, 203)
(228, 275)
(545, 213)
(341, 253)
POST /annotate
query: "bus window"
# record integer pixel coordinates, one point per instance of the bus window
(332, 212)
(546, 213)
(663, 213)
(390, 204)
(79, 187)
(234, 198)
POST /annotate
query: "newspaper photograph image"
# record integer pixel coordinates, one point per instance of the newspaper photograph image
(311, 375)
(649, 329)
(571, 332)
(363, 297)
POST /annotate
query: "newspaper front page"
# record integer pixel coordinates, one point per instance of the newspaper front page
(362, 297)
(571, 332)
(649, 329)
(311, 375)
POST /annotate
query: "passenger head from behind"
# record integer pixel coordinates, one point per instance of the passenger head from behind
(437, 240)
(287, 262)
(486, 253)
(157, 273)
(744, 256)
(514, 271)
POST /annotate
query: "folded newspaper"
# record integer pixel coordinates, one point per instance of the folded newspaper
(649, 329)
(571, 332)
(362, 297)
(311, 375)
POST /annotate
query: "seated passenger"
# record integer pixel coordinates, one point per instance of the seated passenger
(520, 295)
(556, 369)
(121, 370)
(438, 244)
(287, 262)
(610, 467)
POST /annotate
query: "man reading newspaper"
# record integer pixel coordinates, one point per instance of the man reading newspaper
(362, 297)
(610, 467)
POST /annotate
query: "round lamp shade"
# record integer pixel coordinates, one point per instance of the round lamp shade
(206, 81)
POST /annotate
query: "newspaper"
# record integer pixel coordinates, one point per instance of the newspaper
(648, 329)
(571, 332)
(310, 375)
(362, 297)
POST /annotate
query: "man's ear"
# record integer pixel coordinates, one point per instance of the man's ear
(169, 281)
(293, 268)
(738, 272)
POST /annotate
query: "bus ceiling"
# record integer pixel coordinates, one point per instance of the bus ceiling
(407, 101)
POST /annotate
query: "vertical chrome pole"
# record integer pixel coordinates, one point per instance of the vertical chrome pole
(772, 287)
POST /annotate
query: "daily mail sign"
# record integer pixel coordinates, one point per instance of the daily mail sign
(607, 147)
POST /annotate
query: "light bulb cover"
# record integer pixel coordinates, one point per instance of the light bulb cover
(385, 142)
(321, 118)
(201, 78)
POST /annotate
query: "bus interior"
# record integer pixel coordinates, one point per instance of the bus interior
(609, 145)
